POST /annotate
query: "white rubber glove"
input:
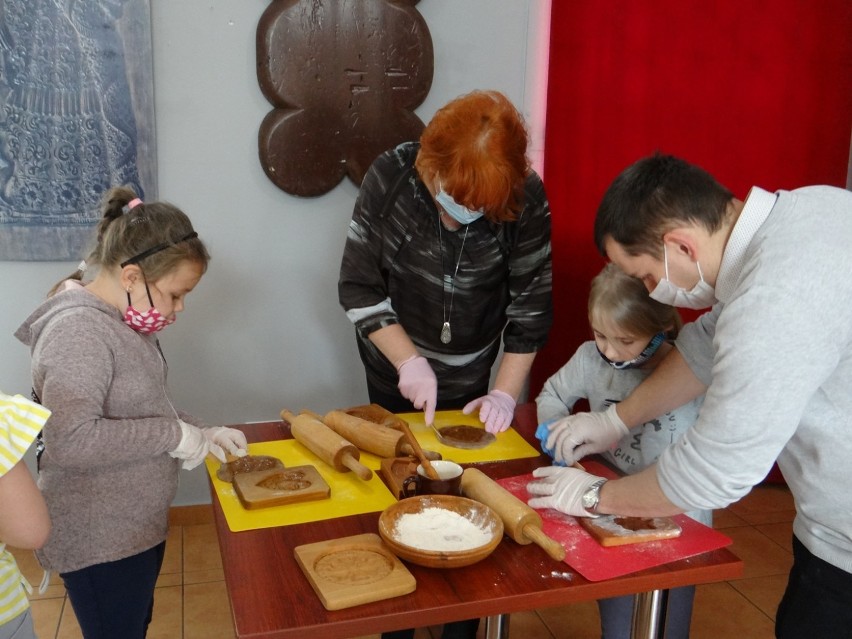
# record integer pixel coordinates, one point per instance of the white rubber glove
(496, 410)
(194, 446)
(230, 439)
(418, 384)
(573, 437)
(562, 489)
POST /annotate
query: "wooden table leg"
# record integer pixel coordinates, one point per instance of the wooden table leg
(649, 614)
(497, 627)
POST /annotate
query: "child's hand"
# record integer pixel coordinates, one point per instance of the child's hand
(194, 447)
(230, 439)
(573, 437)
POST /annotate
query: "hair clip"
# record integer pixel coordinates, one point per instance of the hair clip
(82, 266)
(138, 220)
(132, 204)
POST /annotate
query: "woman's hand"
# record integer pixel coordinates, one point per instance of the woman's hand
(418, 384)
(496, 410)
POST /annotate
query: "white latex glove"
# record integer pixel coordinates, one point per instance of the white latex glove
(496, 410)
(194, 446)
(573, 437)
(418, 384)
(561, 488)
(230, 439)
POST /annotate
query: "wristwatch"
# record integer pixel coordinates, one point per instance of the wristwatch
(592, 497)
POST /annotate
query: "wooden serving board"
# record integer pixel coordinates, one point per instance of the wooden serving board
(613, 530)
(353, 570)
(349, 495)
(278, 486)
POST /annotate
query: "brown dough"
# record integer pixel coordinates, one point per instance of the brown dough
(247, 464)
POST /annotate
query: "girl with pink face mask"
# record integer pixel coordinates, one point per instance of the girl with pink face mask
(115, 443)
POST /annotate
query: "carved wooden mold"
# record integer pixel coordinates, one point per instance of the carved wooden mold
(343, 77)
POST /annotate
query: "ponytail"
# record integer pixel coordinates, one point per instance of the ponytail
(129, 228)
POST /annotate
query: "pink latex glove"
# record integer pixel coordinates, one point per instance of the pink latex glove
(561, 488)
(418, 384)
(496, 410)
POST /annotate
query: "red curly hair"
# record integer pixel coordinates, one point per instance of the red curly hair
(476, 146)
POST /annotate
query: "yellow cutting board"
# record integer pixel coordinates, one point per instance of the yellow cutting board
(508, 445)
(349, 495)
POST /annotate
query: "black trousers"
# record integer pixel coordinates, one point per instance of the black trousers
(116, 599)
(818, 599)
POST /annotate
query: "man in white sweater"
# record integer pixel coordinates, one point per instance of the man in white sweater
(773, 356)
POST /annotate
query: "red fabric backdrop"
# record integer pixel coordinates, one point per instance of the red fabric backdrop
(756, 92)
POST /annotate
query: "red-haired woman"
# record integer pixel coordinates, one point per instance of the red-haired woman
(448, 250)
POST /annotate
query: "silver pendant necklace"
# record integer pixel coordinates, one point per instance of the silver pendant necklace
(446, 332)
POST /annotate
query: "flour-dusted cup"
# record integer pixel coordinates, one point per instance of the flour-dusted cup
(450, 474)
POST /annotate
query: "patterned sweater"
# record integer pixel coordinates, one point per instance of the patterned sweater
(399, 267)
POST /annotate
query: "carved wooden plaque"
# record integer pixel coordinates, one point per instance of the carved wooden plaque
(343, 77)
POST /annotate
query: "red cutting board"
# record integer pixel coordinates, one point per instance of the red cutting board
(596, 563)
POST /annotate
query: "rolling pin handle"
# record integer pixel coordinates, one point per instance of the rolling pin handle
(356, 467)
(550, 546)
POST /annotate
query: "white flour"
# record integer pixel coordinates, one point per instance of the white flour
(438, 529)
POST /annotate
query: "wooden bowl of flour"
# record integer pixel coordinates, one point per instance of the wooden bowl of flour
(440, 531)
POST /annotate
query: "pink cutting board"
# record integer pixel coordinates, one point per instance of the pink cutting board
(596, 563)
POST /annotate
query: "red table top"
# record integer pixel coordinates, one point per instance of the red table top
(272, 599)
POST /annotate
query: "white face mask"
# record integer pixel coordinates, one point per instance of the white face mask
(459, 213)
(702, 295)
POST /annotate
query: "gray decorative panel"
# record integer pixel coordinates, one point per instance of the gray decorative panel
(76, 117)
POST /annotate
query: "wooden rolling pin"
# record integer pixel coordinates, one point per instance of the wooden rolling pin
(371, 437)
(329, 446)
(522, 523)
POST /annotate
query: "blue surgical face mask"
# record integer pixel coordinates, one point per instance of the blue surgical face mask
(459, 213)
(641, 358)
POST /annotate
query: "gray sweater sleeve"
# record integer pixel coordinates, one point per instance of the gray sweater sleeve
(562, 390)
(771, 356)
(695, 344)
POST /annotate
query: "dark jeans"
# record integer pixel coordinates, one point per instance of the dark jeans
(116, 599)
(818, 599)
(398, 404)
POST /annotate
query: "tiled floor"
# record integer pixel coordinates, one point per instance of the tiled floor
(191, 601)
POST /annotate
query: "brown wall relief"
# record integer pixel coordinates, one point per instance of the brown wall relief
(343, 77)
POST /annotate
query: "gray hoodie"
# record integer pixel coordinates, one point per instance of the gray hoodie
(106, 473)
(776, 352)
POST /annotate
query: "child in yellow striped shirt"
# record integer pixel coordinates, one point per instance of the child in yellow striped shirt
(24, 522)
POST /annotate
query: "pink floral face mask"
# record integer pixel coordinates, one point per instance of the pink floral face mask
(145, 322)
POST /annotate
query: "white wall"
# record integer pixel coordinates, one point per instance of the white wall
(263, 330)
